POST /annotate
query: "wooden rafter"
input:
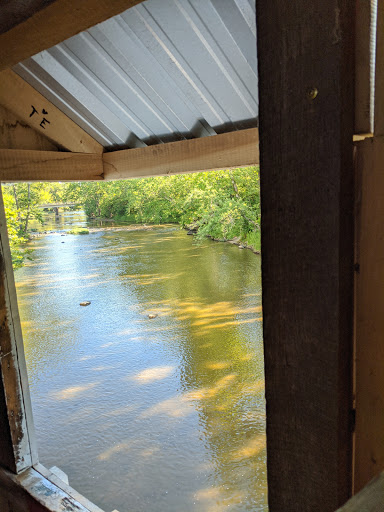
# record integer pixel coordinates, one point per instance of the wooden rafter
(224, 151)
(20, 98)
(58, 21)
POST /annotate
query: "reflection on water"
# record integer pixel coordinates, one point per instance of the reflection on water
(67, 220)
(155, 415)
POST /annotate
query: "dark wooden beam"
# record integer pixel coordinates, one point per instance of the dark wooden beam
(58, 21)
(17, 11)
(306, 79)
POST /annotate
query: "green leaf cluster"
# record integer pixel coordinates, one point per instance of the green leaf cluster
(21, 202)
(221, 204)
(224, 205)
(78, 231)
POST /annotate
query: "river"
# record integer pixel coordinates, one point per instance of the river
(163, 414)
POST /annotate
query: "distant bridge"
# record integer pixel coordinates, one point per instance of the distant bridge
(57, 205)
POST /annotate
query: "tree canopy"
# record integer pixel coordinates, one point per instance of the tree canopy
(224, 205)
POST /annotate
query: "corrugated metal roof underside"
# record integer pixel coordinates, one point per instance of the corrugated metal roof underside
(164, 70)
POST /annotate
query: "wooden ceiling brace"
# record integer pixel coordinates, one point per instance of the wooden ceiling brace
(53, 24)
(40, 114)
(25, 165)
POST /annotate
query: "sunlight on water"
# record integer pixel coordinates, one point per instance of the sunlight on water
(152, 397)
(155, 373)
(73, 391)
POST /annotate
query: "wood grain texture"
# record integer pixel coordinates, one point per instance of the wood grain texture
(33, 492)
(6, 447)
(370, 499)
(19, 165)
(20, 98)
(363, 67)
(224, 151)
(369, 299)
(306, 83)
(17, 11)
(19, 430)
(75, 495)
(379, 71)
(59, 21)
(16, 134)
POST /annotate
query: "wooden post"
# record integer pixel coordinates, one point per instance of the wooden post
(306, 71)
(17, 443)
(369, 436)
(369, 298)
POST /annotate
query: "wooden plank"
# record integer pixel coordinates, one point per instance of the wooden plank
(75, 495)
(224, 151)
(19, 165)
(306, 73)
(369, 328)
(22, 99)
(363, 67)
(58, 21)
(33, 492)
(16, 134)
(6, 446)
(18, 430)
(379, 71)
(370, 499)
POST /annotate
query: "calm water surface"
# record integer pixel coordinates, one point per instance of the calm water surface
(154, 415)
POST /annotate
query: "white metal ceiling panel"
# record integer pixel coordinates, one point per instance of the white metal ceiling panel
(161, 71)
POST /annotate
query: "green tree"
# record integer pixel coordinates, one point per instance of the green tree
(221, 204)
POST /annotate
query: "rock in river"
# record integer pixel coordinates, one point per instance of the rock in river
(152, 315)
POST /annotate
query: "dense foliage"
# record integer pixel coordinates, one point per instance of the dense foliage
(21, 202)
(223, 204)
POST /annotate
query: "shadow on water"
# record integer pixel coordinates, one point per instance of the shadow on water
(154, 414)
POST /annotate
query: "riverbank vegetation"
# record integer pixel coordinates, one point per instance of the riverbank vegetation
(224, 205)
(21, 201)
(78, 231)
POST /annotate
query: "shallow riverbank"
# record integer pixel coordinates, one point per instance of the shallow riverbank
(145, 227)
(241, 244)
(132, 227)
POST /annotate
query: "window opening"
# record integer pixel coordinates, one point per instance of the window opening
(152, 395)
